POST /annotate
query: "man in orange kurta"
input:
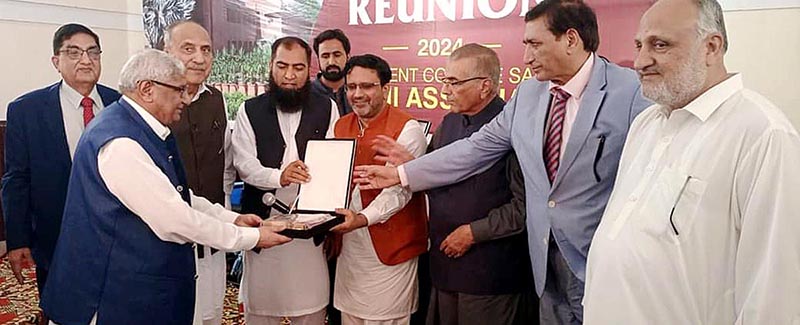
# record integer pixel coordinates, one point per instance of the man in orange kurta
(384, 230)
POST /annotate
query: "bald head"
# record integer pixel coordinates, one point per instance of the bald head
(190, 43)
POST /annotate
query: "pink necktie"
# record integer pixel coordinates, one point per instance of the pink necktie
(88, 113)
(552, 143)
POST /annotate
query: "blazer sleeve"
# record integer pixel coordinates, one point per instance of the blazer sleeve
(17, 180)
(466, 157)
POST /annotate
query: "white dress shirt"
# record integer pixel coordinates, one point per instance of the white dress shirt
(365, 287)
(703, 225)
(72, 112)
(122, 162)
(291, 279)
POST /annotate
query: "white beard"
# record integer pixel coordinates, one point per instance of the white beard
(678, 88)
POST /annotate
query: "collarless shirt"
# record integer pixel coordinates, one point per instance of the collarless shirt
(72, 112)
(702, 226)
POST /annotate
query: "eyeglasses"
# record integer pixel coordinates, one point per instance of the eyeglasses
(453, 82)
(76, 53)
(365, 86)
(183, 90)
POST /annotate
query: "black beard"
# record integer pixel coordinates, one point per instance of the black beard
(331, 75)
(288, 100)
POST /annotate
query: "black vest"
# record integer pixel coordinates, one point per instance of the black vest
(270, 144)
(201, 138)
(495, 267)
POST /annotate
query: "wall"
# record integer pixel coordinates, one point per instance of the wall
(28, 28)
(764, 45)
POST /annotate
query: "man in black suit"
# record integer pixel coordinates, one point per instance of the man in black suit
(43, 130)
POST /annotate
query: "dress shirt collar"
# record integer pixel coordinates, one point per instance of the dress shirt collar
(200, 91)
(160, 130)
(74, 98)
(707, 103)
(575, 86)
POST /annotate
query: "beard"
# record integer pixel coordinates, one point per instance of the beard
(333, 73)
(679, 88)
(288, 100)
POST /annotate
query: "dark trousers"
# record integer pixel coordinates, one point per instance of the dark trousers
(453, 308)
(334, 316)
(563, 292)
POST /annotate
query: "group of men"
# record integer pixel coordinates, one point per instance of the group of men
(616, 198)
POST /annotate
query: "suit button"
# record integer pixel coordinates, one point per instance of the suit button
(179, 188)
(169, 158)
(196, 276)
(551, 204)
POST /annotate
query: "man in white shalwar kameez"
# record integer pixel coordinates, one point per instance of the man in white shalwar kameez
(703, 223)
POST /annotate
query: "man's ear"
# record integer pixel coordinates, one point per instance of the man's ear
(715, 48)
(574, 40)
(145, 91)
(55, 60)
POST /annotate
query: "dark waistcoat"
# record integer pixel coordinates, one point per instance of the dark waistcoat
(490, 268)
(108, 261)
(201, 139)
(270, 144)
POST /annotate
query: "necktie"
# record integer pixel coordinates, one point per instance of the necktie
(88, 113)
(552, 143)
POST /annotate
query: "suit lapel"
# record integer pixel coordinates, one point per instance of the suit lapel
(540, 108)
(108, 96)
(584, 121)
(53, 119)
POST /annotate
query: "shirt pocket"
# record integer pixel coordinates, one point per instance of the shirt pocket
(671, 204)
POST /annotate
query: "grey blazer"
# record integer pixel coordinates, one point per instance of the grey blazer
(571, 208)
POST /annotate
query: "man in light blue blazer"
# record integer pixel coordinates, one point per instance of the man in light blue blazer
(567, 127)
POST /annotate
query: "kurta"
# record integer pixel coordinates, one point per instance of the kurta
(702, 226)
(366, 287)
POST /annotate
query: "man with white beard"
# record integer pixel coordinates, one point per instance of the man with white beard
(702, 225)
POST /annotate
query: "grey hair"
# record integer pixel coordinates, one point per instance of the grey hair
(710, 20)
(149, 64)
(486, 62)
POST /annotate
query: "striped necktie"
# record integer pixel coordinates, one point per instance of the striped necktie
(552, 143)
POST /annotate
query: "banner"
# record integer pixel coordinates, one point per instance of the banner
(414, 36)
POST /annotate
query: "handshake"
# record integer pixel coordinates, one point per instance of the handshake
(268, 229)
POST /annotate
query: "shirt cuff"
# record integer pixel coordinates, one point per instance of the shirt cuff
(480, 230)
(372, 215)
(250, 237)
(275, 179)
(401, 173)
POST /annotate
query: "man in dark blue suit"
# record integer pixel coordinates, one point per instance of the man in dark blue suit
(43, 129)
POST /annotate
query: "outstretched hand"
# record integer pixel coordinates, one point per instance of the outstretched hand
(371, 177)
(390, 151)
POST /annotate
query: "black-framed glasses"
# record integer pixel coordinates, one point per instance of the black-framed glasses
(75, 53)
(453, 82)
(365, 86)
(183, 90)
